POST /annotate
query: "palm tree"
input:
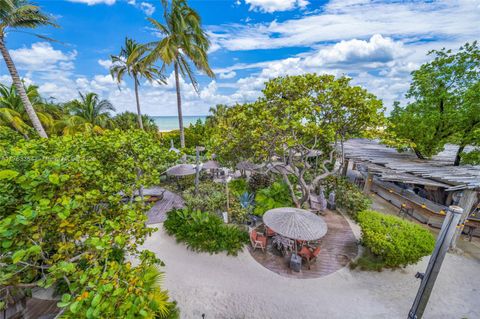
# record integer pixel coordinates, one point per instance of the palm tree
(16, 14)
(132, 61)
(89, 113)
(184, 39)
(14, 115)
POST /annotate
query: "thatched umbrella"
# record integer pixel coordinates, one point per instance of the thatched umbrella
(181, 170)
(247, 166)
(279, 168)
(211, 165)
(295, 223)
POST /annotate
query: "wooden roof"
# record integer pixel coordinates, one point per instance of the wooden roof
(406, 166)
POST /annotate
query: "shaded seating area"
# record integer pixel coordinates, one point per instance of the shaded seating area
(318, 257)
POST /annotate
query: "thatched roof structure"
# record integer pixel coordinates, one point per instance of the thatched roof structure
(181, 170)
(295, 223)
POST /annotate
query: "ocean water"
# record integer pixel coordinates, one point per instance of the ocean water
(168, 123)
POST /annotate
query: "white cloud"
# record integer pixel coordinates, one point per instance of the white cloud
(105, 63)
(227, 75)
(147, 8)
(270, 6)
(41, 56)
(94, 2)
(357, 19)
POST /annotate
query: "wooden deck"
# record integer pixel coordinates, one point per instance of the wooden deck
(158, 212)
(338, 248)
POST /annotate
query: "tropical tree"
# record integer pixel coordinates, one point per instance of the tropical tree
(445, 104)
(132, 61)
(88, 113)
(13, 114)
(128, 120)
(183, 40)
(18, 14)
(297, 118)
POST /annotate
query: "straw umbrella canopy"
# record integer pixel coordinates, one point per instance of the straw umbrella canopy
(247, 166)
(295, 223)
(280, 168)
(211, 165)
(181, 170)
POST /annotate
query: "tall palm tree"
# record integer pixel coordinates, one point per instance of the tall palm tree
(184, 39)
(88, 113)
(132, 61)
(16, 14)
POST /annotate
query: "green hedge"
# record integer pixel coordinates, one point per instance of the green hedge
(205, 232)
(394, 241)
(347, 195)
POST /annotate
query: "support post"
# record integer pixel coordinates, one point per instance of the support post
(441, 247)
(345, 167)
(468, 200)
(368, 183)
(197, 169)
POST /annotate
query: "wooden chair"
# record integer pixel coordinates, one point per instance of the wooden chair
(269, 232)
(258, 241)
(308, 255)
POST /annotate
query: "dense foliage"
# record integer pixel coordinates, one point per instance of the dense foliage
(238, 186)
(258, 181)
(64, 222)
(129, 121)
(211, 197)
(394, 241)
(202, 231)
(445, 102)
(347, 195)
(274, 196)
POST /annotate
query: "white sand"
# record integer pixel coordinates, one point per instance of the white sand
(221, 286)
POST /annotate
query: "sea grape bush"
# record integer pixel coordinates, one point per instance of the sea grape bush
(396, 242)
(64, 222)
(205, 232)
(347, 195)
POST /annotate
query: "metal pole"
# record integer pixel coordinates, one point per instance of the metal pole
(441, 247)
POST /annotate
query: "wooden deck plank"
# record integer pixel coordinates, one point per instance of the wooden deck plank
(338, 248)
(158, 212)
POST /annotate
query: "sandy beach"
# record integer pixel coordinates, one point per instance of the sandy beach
(221, 286)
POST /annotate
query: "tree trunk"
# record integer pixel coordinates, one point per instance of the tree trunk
(458, 157)
(179, 107)
(139, 113)
(419, 154)
(21, 90)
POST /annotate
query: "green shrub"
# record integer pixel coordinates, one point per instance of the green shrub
(211, 197)
(396, 242)
(205, 232)
(277, 195)
(347, 195)
(238, 186)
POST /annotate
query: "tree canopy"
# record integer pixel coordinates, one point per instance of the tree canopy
(444, 105)
(295, 116)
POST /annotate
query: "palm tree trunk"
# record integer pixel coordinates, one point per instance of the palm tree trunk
(179, 107)
(21, 90)
(139, 113)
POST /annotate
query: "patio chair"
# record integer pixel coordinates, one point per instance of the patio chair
(270, 232)
(258, 241)
(308, 255)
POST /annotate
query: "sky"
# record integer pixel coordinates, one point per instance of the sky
(376, 43)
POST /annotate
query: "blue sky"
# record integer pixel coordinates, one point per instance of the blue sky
(377, 43)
